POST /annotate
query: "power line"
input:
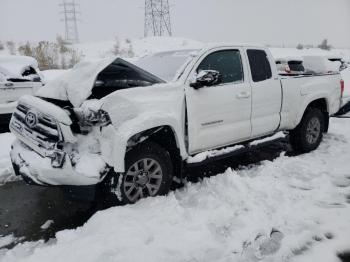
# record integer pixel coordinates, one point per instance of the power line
(157, 18)
(70, 19)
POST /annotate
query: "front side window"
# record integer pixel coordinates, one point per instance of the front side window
(227, 62)
(259, 65)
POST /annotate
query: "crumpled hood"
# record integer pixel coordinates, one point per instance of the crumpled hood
(76, 84)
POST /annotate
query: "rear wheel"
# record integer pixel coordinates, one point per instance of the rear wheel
(307, 136)
(149, 173)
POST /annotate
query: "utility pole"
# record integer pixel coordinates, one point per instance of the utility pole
(157, 18)
(70, 21)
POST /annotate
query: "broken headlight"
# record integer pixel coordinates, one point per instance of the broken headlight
(88, 117)
(57, 159)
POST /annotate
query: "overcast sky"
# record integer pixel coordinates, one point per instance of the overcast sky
(274, 22)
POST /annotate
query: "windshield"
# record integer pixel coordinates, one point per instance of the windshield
(166, 64)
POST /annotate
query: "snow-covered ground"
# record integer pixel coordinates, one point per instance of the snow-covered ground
(303, 200)
(140, 47)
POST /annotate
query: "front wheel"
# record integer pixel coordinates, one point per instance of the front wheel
(149, 173)
(307, 136)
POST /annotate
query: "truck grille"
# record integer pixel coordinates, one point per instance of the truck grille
(40, 128)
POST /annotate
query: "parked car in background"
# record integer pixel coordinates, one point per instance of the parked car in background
(343, 64)
(315, 64)
(19, 75)
(290, 66)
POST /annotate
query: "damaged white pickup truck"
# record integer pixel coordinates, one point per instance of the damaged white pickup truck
(131, 126)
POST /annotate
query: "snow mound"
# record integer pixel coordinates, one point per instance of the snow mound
(6, 171)
(141, 47)
(277, 211)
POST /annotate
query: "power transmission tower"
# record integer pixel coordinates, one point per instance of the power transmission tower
(157, 18)
(70, 20)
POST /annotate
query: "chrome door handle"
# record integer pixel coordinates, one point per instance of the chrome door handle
(243, 95)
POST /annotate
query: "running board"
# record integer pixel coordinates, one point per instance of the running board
(219, 154)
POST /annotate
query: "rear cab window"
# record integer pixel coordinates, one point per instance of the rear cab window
(227, 62)
(259, 65)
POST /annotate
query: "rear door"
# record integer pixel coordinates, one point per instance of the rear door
(266, 93)
(219, 115)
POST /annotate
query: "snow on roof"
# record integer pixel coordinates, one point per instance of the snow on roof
(13, 66)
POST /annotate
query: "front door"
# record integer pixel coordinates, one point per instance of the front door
(220, 115)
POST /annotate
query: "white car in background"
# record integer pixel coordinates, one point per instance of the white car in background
(315, 64)
(19, 75)
(290, 66)
(340, 59)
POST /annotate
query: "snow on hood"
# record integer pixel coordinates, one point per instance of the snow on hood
(76, 84)
(14, 66)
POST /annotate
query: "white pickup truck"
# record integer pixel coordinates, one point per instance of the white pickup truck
(130, 128)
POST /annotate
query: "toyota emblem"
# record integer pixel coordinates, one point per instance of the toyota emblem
(31, 119)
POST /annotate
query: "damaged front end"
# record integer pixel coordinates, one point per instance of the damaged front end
(63, 135)
(47, 152)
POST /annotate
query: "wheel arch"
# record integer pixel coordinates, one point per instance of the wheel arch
(166, 137)
(320, 103)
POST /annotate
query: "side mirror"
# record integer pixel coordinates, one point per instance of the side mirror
(207, 78)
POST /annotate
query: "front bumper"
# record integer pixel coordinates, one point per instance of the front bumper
(36, 169)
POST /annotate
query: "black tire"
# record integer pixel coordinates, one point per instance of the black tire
(308, 135)
(120, 184)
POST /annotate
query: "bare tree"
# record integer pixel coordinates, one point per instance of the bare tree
(26, 49)
(116, 47)
(74, 58)
(130, 50)
(62, 44)
(324, 45)
(11, 47)
(50, 55)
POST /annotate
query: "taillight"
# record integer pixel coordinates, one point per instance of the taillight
(342, 86)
